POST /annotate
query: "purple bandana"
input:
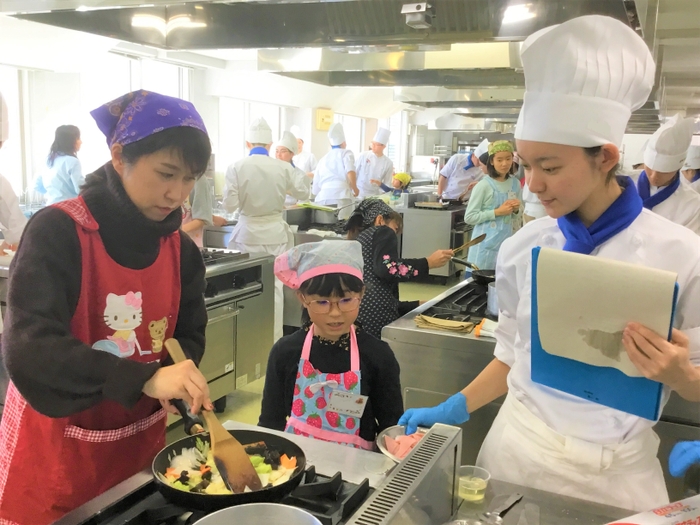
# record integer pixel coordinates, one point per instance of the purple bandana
(140, 114)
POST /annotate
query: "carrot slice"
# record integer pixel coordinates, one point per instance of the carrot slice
(287, 462)
(204, 469)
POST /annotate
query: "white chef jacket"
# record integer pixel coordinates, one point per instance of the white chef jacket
(302, 179)
(305, 161)
(533, 206)
(12, 220)
(458, 179)
(330, 177)
(369, 167)
(695, 185)
(682, 207)
(650, 240)
(257, 186)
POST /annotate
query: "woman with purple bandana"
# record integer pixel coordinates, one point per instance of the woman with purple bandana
(99, 282)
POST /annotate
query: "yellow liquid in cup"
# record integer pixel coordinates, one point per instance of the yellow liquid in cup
(472, 488)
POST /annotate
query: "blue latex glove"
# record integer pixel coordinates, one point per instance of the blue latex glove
(451, 412)
(684, 455)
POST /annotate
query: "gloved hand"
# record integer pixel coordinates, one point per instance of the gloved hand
(684, 455)
(451, 412)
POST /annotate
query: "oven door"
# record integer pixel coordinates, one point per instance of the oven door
(219, 356)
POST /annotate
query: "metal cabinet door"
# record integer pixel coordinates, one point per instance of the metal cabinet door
(219, 355)
(255, 333)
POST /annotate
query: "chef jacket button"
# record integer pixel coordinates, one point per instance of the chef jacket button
(548, 240)
(637, 240)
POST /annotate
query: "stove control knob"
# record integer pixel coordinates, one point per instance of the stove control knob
(210, 290)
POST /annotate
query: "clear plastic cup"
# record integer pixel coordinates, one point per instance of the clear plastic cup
(472, 483)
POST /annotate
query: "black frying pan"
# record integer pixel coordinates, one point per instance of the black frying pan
(483, 277)
(210, 502)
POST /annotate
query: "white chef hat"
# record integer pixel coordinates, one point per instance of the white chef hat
(692, 159)
(668, 146)
(382, 136)
(4, 120)
(259, 132)
(482, 148)
(336, 134)
(296, 131)
(289, 141)
(583, 79)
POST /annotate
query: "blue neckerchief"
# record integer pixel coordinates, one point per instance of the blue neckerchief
(335, 147)
(292, 163)
(470, 164)
(696, 177)
(616, 218)
(259, 151)
(645, 190)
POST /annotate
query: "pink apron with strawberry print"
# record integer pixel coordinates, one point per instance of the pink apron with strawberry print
(310, 416)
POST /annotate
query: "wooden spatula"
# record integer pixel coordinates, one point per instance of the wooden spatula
(229, 455)
(471, 243)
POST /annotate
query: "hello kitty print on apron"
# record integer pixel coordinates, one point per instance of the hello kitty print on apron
(310, 416)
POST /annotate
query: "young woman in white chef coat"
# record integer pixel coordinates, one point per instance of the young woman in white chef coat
(577, 104)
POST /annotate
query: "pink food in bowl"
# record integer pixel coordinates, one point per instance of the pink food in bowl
(401, 445)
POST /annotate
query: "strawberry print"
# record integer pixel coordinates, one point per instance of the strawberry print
(350, 380)
(314, 420)
(309, 371)
(308, 393)
(296, 390)
(333, 377)
(298, 374)
(298, 408)
(350, 423)
(333, 419)
(320, 403)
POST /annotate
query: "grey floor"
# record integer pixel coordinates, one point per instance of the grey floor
(244, 404)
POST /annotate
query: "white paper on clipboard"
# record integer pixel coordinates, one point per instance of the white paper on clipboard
(584, 304)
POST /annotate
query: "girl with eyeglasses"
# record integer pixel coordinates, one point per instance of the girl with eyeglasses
(330, 354)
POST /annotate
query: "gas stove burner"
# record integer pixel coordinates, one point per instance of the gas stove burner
(468, 304)
(215, 255)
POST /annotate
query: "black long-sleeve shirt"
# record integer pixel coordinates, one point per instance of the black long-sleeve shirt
(383, 272)
(56, 373)
(379, 378)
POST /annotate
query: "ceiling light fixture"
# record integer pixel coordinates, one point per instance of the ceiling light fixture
(518, 13)
(157, 23)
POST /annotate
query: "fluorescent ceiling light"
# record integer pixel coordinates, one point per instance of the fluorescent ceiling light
(157, 23)
(82, 8)
(517, 13)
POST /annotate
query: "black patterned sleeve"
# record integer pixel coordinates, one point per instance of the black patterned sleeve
(386, 262)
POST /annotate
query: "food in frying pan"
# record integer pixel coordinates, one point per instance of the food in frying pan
(194, 470)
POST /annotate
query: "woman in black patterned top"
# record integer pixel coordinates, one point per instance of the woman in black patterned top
(375, 225)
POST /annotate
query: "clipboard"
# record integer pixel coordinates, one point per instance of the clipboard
(600, 384)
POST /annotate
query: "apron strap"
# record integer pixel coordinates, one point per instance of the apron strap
(306, 349)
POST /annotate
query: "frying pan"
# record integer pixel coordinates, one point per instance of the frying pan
(483, 277)
(211, 502)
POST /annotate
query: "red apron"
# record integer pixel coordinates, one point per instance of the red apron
(50, 466)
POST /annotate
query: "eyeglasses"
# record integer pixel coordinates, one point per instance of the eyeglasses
(323, 306)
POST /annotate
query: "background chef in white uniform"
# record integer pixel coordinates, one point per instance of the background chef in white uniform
(373, 167)
(12, 220)
(578, 101)
(257, 186)
(335, 178)
(461, 173)
(660, 184)
(303, 159)
(691, 168)
(285, 150)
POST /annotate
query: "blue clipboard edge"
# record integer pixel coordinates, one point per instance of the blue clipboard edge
(535, 338)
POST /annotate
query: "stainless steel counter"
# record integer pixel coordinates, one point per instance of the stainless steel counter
(435, 364)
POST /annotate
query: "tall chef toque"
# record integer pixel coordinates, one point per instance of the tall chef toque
(336, 134)
(583, 79)
(289, 141)
(259, 132)
(382, 136)
(668, 146)
(692, 159)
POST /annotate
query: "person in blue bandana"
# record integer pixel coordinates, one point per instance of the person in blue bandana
(661, 184)
(583, 80)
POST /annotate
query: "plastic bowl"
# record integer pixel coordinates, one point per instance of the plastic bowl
(394, 432)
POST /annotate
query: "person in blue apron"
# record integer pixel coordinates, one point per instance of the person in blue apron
(583, 78)
(330, 380)
(493, 206)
